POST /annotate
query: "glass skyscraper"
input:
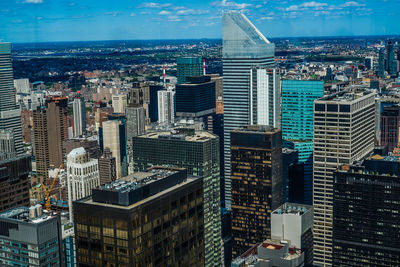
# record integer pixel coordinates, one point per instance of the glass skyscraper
(188, 66)
(10, 115)
(243, 48)
(297, 123)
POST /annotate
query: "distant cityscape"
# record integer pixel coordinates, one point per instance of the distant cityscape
(242, 151)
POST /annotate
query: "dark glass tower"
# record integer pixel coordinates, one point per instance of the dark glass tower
(381, 63)
(366, 208)
(256, 173)
(188, 66)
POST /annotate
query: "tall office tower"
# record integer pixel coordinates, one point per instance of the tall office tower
(41, 141)
(343, 133)
(166, 106)
(112, 140)
(366, 207)
(15, 181)
(22, 86)
(107, 167)
(390, 61)
(198, 152)
(381, 63)
(152, 218)
(297, 123)
(153, 103)
(265, 92)
(30, 237)
(188, 66)
(195, 99)
(243, 48)
(79, 116)
(292, 177)
(82, 175)
(135, 125)
(10, 115)
(218, 85)
(329, 75)
(293, 223)
(369, 62)
(256, 160)
(119, 103)
(390, 124)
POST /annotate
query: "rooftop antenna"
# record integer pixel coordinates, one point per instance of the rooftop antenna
(204, 66)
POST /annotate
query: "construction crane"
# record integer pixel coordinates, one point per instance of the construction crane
(47, 192)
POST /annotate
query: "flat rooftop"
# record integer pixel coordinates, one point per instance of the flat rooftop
(293, 208)
(180, 134)
(22, 214)
(257, 129)
(346, 96)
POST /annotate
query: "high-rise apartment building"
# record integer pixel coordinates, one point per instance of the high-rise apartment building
(15, 182)
(188, 66)
(152, 218)
(390, 124)
(297, 123)
(50, 131)
(82, 175)
(135, 125)
(198, 152)
(166, 106)
(119, 103)
(256, 174)
(107, 167)
(343, 133)
(366, 208)
(30, 237)
(10, 115)
(79, 116)
(243, 48)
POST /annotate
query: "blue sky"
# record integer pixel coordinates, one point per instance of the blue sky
(74, 20)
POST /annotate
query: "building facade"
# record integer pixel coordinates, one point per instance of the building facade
(119, 103)
(239, 57)
(10, 114)
(152, 218)
(256, 174)
(135, 125)
(79, 116)
(366, 207)
(343, 133)
(166, 106)
(198, 152)
(107, 167)
(390, 123)
(188, 66)
(111, 139)
(29, 237)
(82, 175)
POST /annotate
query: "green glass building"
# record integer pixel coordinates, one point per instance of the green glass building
(297, 123)
(198, 152)
(188, 66)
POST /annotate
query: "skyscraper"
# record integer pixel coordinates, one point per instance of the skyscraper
(243, 48)
(381, 63)
(119, 103)
(188, 66)
(152, 218)
(82, 175)
(256, 173)
(135, 125)
(297, 123)
(343, 133)
(390, 124)
(166, 106)
(366, 207)
(391, 63)
(111, 139)
(107, 168)
(79, 116)
(10, 115)
(198, 152)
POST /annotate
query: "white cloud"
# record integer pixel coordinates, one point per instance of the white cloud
(154, 5)
(231, 4)
(267, 18)
(164, 12)
(307, 5)
(191, 12)
(33, 1)
(132, 14)
(352, 4)
(174, 18)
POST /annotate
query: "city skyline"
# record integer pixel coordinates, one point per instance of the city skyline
(26, 21)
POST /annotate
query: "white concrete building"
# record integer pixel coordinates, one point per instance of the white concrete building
(79, 116)
(119, 103)
(82, 176)
(112, 141)
(166, 106)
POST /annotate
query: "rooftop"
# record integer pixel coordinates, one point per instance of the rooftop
(346, 96)
(182, 134)
(293, 208)
(257, 129)
(32, 214)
